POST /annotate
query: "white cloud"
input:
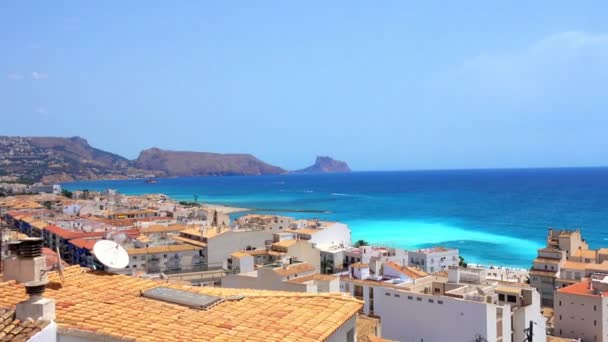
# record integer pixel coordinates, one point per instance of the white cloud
(42, 111)
(39, 75)
(547, 65)
(15, 76)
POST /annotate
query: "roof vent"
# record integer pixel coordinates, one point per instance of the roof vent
(181, 297)
(30, 248)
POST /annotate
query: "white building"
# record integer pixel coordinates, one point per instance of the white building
(414, 306)
(580, 310)
(295, 277)
(435, 259)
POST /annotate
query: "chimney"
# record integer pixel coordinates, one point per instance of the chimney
(26, 262)
(36, 307)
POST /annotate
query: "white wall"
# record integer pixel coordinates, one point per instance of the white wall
(410, 320)
(48, 334)
(342, 334)
(265, 281)
(335, 234)
(221, 246)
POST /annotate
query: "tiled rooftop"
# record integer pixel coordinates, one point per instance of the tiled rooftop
(411, 272)
(111, 304)
(12, 329)
(581, 288)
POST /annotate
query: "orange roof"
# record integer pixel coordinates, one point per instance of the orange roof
(111, 304)
(294, 269)
(411, 272)
(71, 234)
(13, 329)
(189, 241)
(582, 288)
(84, 243)
(162, 249)
(315, 276)
(285, 243)
(359, 265)
(239, 254)
(157, 228)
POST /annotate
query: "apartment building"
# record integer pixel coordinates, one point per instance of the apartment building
(435, 259)
(415, 306)
(581, 310)
(566, 260)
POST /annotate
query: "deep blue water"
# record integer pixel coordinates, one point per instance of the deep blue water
(492, 216)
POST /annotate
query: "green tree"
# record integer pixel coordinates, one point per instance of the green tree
(360, 243)
(66, 193)
(462, 262)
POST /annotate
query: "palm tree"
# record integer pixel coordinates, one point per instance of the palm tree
(360, 243)
(462, 262)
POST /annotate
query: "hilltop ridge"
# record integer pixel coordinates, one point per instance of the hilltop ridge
(60, 159)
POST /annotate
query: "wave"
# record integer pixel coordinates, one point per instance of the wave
(340, 194)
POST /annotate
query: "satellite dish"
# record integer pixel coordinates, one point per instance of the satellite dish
(111, 254)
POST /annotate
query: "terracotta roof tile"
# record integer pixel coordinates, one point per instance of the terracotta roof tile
(111, 304)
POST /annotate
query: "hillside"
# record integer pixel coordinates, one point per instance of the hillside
(180, 163)
(54, 159)
(326, 165)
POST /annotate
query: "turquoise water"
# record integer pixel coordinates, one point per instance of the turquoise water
(492, 216)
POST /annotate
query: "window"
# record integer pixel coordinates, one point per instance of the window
(419, 299)
(397, 295)
(501, 297)
(439, 302)
(511, 299)
(560, 303)
(560, 317)
(135, 257)
(431, 301)
(387, 294)
(594, 307)
(410, 297)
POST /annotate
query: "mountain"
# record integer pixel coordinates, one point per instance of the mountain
(182, 163)
(326, 165)
(54, 159)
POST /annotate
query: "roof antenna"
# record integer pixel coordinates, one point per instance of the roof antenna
(59, 265)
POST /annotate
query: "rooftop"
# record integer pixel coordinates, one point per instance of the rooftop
(583, 288)
(412, 272)
(12, 329)
(111, 304)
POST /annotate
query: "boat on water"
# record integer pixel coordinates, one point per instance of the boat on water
(151, 181)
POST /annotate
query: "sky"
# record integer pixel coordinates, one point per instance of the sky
(383, 85)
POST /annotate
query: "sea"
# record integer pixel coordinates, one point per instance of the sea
(494, 217)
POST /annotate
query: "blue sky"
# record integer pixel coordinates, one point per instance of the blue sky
(383, 85)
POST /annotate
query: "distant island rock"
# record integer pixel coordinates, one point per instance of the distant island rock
(182, 163)
(326, 165)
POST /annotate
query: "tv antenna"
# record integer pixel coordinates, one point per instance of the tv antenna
(59, 265)
(111, 254)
